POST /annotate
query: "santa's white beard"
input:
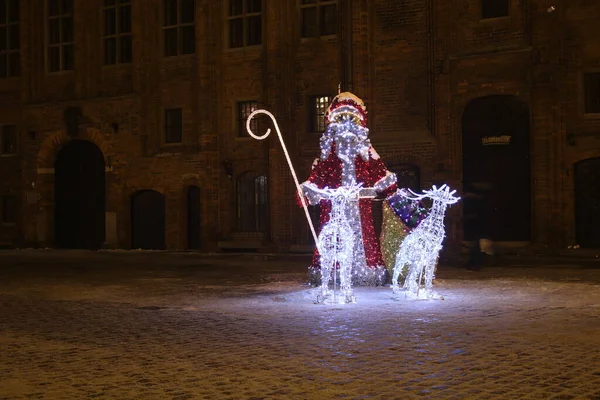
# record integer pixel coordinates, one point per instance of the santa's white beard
(351, 140)
(347, 148)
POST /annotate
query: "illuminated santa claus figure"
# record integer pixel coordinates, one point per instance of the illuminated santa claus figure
(347, 158)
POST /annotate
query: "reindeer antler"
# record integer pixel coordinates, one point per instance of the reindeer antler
(414, 196)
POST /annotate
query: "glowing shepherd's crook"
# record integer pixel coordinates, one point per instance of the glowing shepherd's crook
(287, 157)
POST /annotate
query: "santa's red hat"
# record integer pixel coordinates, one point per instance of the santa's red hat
(347, 104)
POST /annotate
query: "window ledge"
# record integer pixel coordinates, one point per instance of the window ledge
(253, 48)
(117, 66)
(493, 20)
(60, 73)
(9, 224)
(328, 38)
(170, 149)
(8, 155)
(591, 115)
(178, 57)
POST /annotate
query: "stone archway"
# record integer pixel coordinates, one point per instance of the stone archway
(56, 139)
(45, 178)
(496, 162)
(79, 196)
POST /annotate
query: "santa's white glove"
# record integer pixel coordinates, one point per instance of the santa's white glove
(368, 193)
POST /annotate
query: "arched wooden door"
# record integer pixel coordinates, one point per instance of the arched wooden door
(194, 218)
(79, 196)
(587, 203)
(148, 220)
(496, 161)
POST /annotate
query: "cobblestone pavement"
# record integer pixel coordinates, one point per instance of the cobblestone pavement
(133, 325)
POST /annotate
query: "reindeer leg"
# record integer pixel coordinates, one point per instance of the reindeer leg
(346, 282)
(429, 274)
(399, 265)
(410, 284)
(420, 279)
(325, 278)
(409, 277)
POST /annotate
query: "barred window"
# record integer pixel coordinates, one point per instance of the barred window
(244, 109)
(318, 107)
(252, 203)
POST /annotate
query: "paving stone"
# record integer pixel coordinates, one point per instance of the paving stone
(168, 327)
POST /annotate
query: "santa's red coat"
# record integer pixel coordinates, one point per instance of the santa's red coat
(328, 173)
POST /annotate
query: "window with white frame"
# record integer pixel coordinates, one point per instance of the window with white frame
(179, 27)
(10, 46)
(318, 18)
(244, 23)
(117, 32)
(60, 37)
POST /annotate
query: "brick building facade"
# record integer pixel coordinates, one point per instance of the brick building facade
(501, 91)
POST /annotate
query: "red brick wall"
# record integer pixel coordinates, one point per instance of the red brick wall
(11, 170)
(416, 64)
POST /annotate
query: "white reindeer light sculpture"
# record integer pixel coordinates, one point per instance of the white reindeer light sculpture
(336, 244)
(420, 249)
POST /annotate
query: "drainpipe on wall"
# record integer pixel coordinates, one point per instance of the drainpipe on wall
(346, 45)
(431, 67)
